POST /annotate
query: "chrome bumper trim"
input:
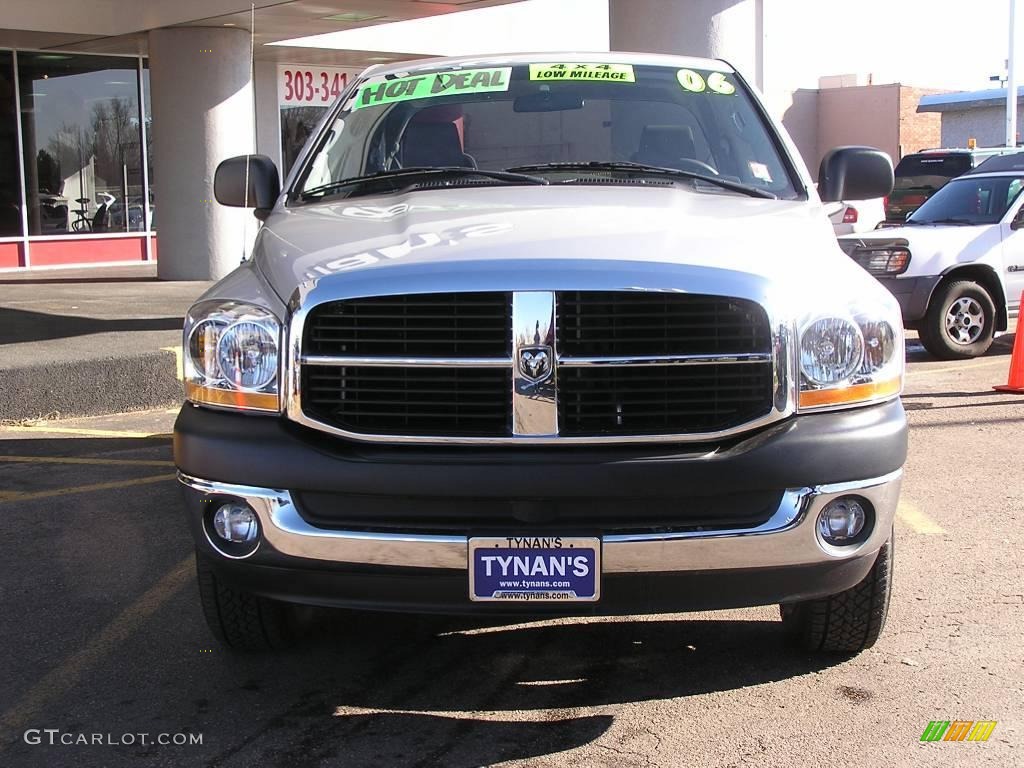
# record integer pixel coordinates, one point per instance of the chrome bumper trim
(788, 538)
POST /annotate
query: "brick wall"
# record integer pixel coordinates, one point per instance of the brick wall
(917, 130)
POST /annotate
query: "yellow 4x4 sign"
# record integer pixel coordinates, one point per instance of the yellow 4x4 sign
(603, 73)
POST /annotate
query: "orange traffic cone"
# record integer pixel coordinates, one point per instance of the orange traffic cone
(1016, 382)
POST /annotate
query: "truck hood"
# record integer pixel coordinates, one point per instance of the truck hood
(396, 239)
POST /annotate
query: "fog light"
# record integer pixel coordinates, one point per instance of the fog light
(236, 523)
(842, 520)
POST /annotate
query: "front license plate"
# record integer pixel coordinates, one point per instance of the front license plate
(535, 568)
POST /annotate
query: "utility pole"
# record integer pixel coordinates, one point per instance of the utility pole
(1011, 81)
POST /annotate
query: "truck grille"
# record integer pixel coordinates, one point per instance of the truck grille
(661, 399)
(610, 400)
(432, 325)
(623, 363)
(464, 402)
(596, 323)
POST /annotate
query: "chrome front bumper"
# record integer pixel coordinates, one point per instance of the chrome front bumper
(788, 538)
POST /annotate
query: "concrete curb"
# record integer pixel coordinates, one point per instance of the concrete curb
(90, 387)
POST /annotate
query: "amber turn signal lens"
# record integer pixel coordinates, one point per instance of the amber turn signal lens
(817, 398)
(257, 401)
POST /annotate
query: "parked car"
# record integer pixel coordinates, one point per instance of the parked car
(1011, 161)
(922, 174)
(521, 337)
(856, 216)
(957, 265)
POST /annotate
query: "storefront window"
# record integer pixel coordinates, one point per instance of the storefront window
(82, 148)
(147, 116)
(297, 123)
(10, 183)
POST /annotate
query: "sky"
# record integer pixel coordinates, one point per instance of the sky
(953, 44)
(929, 43)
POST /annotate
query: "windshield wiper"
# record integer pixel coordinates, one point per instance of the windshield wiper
(407, 173)
(960, 222)
(654, 170)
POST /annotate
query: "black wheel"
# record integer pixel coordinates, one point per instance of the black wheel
(848, 622)
(961, 321)
(240, 620)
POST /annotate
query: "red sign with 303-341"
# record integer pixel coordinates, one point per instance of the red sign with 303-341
(306, 86)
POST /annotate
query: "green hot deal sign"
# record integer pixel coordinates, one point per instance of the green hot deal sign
(377, 92)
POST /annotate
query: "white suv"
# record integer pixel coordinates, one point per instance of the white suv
(957, 265)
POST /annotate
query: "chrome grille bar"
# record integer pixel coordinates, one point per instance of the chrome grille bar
(406, 362)
(662, 360)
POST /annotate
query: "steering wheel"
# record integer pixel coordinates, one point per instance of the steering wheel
(689, 164)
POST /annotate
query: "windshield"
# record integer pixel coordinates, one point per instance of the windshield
(970, 200)
(930, 171)
(531, 116)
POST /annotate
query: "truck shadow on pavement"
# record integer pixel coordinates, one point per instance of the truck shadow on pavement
(394, 690)
(361, 689)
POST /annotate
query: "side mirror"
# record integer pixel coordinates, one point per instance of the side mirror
(854, 173)
(264, 183)
(1018, 220)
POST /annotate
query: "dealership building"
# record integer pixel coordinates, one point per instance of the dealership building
(115, 113)
(972, 115)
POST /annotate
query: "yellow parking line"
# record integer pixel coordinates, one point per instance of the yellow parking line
(87, 488)
(70, 460)
(56, 683)
(179, 366)
(44, 429)
(917, 520)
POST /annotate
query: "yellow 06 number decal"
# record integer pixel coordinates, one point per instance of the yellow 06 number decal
(716, 82)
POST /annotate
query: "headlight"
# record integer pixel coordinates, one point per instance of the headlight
(889, 260)
(231, 356)
(850, 359)
(831, 349)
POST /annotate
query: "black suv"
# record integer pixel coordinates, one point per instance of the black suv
(922, 174)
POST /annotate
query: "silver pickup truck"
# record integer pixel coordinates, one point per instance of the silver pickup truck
(558, 335)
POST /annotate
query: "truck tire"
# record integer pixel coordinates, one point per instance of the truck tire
(241, 620)
(849, 622)
(960, 322)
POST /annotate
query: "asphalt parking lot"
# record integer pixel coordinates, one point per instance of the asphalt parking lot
(103, 634)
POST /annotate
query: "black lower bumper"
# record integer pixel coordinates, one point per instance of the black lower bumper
(913, 294)
(804, 452)
(430, 590)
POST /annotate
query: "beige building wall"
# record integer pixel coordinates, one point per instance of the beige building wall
(800, 118)
(883, 116)
(867, 114)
